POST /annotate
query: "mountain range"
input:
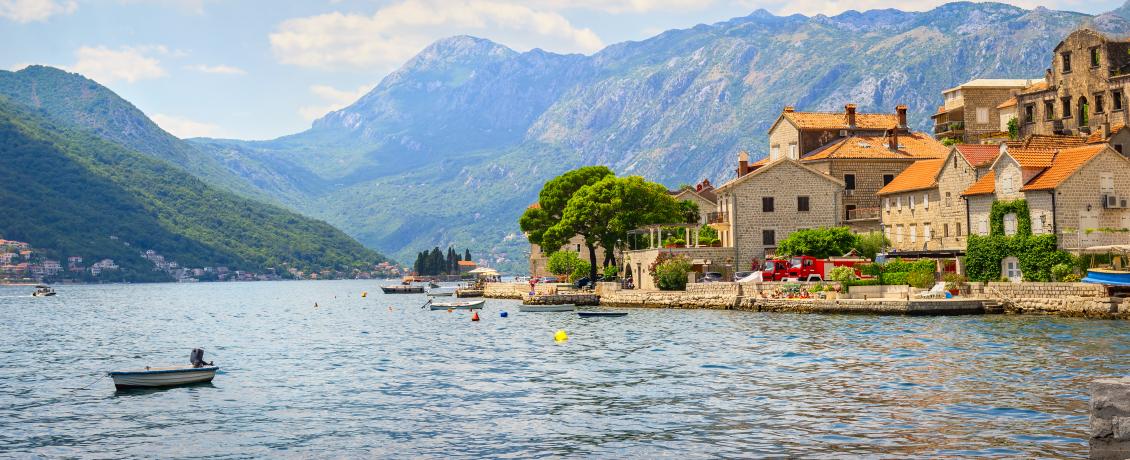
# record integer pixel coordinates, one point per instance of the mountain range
(450, 148)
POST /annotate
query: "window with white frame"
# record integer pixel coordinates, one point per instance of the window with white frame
(1010, 224)
(792, 152)
(926, 231)
(911, 202)
(898, 203)
(913, 233)
(1106, 182)
(982, 115)
(926, 201)
(887, 230)
(774, 153)
(887, 205)
(898, 233)
(983, 225)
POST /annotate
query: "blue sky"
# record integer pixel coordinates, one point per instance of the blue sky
(257, 69)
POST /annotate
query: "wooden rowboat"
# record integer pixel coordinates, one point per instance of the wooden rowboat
(441, 292)
(546, 308)
(402, 289)
(466, 305)
(153, 377)
(601, 314)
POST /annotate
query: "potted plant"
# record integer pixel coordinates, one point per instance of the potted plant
(954, 281)
(669, 242)
(680, 243)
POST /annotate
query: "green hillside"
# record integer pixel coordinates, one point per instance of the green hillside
(68, 191)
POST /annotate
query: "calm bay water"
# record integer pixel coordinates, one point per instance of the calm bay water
(354, 378)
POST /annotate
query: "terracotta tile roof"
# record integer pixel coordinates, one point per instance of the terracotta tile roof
(1008, 103)
(467, 263)
(534, 206)
(978, 154)
(919, 175)
(1047, 141)
(913, 146)
(984, 185)
(1066, 162)
(1035, 88)
(1097, 136)
(1032, 158)
(838, 120)
(759, 163)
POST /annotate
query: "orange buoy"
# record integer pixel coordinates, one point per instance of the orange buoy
(475, 316)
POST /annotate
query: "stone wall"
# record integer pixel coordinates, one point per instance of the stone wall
(1110, 418)
(515, 290)
(667, 299)
(868, 180)
(1062, 299)
(988, 98)
(720, 260)
(1086, 188)
(561, 299)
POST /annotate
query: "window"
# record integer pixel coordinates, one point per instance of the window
(1066, 106)
(1049, 110)
(887, 204)
(1095, 57)
(766, 204)
(982, 115)
(1043, 222)
(949, 200)
(774, 152)
(802, 204)
(1066, 59)
(898, 233)
(1106, 182)
(926, 201)
(1006, 184)
(1010, 268)
(1099, 103)
(792, 151)
(768, 237)
(911, 199)
(887, 230)
(913, 233)
(957, 229)
(1116, 99)
(945, 230)
(887, 178)
(926, 231)
(1118, 148)
(849, 212)
(1010, 224)
(1029, 113)
(849, 181)
(983, 225)
(898, 202)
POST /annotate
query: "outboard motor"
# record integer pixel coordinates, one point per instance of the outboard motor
(197, 358)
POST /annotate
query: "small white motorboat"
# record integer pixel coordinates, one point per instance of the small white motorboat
(43, 290)
(153, 377)
(465, 305)
(441, 292)
(546, 308)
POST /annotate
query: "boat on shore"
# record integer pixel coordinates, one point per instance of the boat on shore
(1116, 271)
(465, 305)
(601, 314)
(197, 371)
(43, 290)
(441, 292)
(547, 308)
(402, 289)
(1107, 276)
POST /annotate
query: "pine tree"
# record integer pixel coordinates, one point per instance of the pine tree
(452, 261)
(467, 255)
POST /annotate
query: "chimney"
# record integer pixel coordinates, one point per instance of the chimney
(698, 188)
(789, 109)
(893, 139)
(743, 163)
(1106, 131)
(850, 109)
(901, 110)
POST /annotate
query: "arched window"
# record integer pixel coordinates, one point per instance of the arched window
(1084, 112)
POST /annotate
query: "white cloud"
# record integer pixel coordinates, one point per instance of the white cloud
(129, 64)
(35, 10)
(218, 69)
(185, 128)
(396, 32)
(333, 98)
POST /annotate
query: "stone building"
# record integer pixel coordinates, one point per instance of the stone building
(795, 134)
(762, 206)
(539, 259)
(976, 110)
(701, 194)
(1083, 90)
(1081, 194)
(923, 211)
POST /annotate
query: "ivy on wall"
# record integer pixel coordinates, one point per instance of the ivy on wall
(1036, 253)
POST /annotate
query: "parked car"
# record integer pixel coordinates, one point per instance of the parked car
(741, 275)
(711, 277)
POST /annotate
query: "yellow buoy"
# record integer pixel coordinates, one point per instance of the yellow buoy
(364, 294)
(560, 336)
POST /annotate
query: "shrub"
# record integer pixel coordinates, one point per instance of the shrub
(954, 280)
(1060, 271)
(1072, 278)
(871, 243)
(818, 242)
(610, 272)
(816, 287)
(671, 274)
(563, 263)
(580, 271)
(921, 280)
(894, 278)
(844, 275)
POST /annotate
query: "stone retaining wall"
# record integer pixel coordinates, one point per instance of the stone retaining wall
(667, 299)
(1064, 299)
(1110, 418)
(560, 299)
(873, 307)
(515, 290)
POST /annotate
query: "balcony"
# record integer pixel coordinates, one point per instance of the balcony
(860, 214)
(717, 218)
(949, 129)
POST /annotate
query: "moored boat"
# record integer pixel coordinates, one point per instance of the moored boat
(197, 371)
(402, 289)
(546, 308)
(43, 290)
(465, 305)
(601, 314)
(1108, 277)
(441, 292)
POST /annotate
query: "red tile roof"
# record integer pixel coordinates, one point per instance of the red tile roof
(1097, 136)
(838, 120)
(913, 146)
(919, 175)
(1010, 102)
(984, 185)
(1032, 158)
(1066, 162)
(1046, 141)
(978, 154)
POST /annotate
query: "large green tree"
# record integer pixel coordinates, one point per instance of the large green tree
(554, 195)
(819, 242)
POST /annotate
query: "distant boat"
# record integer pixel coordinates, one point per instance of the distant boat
(546, 308)
(433, 284)
(465, 305)
(197, 371)
(43, 290)
(1108, 277)
(441, 292)
(402, 289)
(601, 314)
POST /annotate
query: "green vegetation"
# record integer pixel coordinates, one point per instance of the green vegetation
(611, 272)
(563, 263)
(434, 263)
(671, 274)
(819, 242)
(1013, 128)
(1037, 254)
(1061, 271)
(954, 280)
(842, 275)
(69, 192)
(871, 243)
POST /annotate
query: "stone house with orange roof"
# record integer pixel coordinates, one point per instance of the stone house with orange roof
(977, 109)
(1078, 194)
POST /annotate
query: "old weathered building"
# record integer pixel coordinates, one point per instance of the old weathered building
(702, 194)
(1083, 90)
(976, 110)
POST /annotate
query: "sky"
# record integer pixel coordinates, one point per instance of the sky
(260, 69)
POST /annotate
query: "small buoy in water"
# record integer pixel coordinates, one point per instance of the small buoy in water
(475, 316)
(315, 304)
(390, 308)
(449, 310)
(364, 294)
(560, 336)
(503, 314)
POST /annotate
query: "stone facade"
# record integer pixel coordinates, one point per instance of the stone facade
(860, 205)
(1084, 89)
(753, 228)
(539, 259)
(705, 200)
(933, 218)
(719, 260)
(1060, 299)
(1106, 174)
(971, 111)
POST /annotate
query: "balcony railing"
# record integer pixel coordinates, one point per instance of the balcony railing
(717, 218)
(863, 214)
(949, 126)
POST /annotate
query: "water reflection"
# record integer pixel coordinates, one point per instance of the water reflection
(352, 378)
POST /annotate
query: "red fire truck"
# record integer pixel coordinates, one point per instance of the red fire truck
(806, 268)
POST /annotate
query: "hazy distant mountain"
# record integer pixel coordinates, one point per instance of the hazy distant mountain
(453, 146)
